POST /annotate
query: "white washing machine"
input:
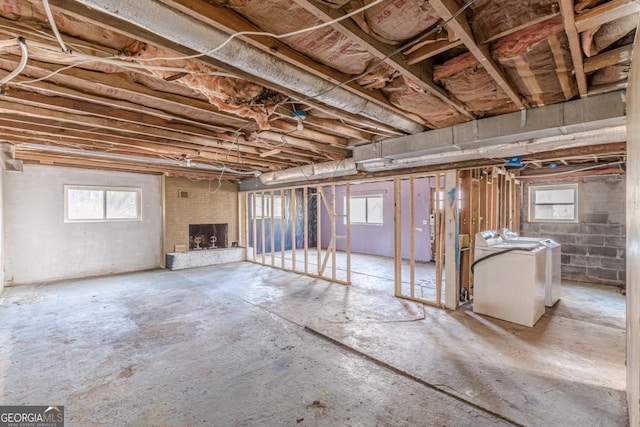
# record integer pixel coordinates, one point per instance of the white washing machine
(553, 262)
(509, 279)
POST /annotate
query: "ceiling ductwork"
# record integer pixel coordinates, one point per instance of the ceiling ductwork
(179, 28)
(326, 170)
(480, 136)
(595, 120)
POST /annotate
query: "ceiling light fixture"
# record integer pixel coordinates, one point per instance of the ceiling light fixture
(299, 115)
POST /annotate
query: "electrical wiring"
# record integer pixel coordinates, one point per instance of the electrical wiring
(372, 67)
(127, 64)
(53, 73)
(568, 172)
(125, 61)
(21, 65)
(54, 27)
(435, 29)
(268, 34)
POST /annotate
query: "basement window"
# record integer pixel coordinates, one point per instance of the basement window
(366, 209)
(260, 200)
(553, 203)
(96, 204)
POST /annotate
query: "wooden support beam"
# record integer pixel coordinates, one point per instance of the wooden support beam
(93, 162)
(305, 212)
(566, 7)
(438, 202)
(348, 221)
(319, 201)
(552, 14)
(451, 255)
(446, 9)
(381, 51)
(430, 50)
(254, 223)
(111, 125)
(333, 232)
(612, 57)
(412, 238)
(225, 20)
(607, 12)
(397, 221)
(293, 216)
(122, 86)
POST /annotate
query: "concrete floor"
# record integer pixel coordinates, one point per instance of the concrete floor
(364, 268)
(242, 344)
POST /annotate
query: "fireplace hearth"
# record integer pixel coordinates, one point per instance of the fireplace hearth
(207, 236)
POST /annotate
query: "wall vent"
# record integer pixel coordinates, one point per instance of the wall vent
(183, 194)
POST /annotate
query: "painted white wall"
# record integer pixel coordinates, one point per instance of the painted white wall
(633, 239)
(41, 247)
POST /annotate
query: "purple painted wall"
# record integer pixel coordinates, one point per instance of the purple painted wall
(378, 239)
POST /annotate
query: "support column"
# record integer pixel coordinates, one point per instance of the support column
(451, 250)
(633, 238)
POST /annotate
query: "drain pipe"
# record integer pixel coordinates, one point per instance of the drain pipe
(180, 28)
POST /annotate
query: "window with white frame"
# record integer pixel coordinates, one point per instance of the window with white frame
(259, 200)
(553, 203)
(366, 209)
(88, 203)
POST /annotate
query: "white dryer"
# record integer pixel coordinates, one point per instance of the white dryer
(509, 279)
(553, 263)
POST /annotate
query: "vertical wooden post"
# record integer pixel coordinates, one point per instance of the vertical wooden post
(294, 212)
(272, 221)
(243, 232)
(254, 220)
(412, 238)
(633, 236)
(518, 202)
(397, 200)
(483, 211)
(439, 201)
(348, 225)
(263, 222)
(334, 218)
(475, 221)
(319, 226)
(305, 200)
(163, 250)
(282, 226)
(452, 253)
(464, 221)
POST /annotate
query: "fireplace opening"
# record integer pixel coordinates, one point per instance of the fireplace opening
(207, 236)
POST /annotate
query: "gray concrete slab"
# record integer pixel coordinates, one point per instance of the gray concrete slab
(241, 344)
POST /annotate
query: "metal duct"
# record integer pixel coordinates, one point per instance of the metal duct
(193, 34)
(558, 120)
(539, 145)
(311, 172)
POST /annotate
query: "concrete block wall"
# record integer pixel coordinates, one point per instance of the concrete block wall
(205, 204)
(593, 250)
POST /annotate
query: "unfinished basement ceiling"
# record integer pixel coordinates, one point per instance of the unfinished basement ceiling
(160, 86)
